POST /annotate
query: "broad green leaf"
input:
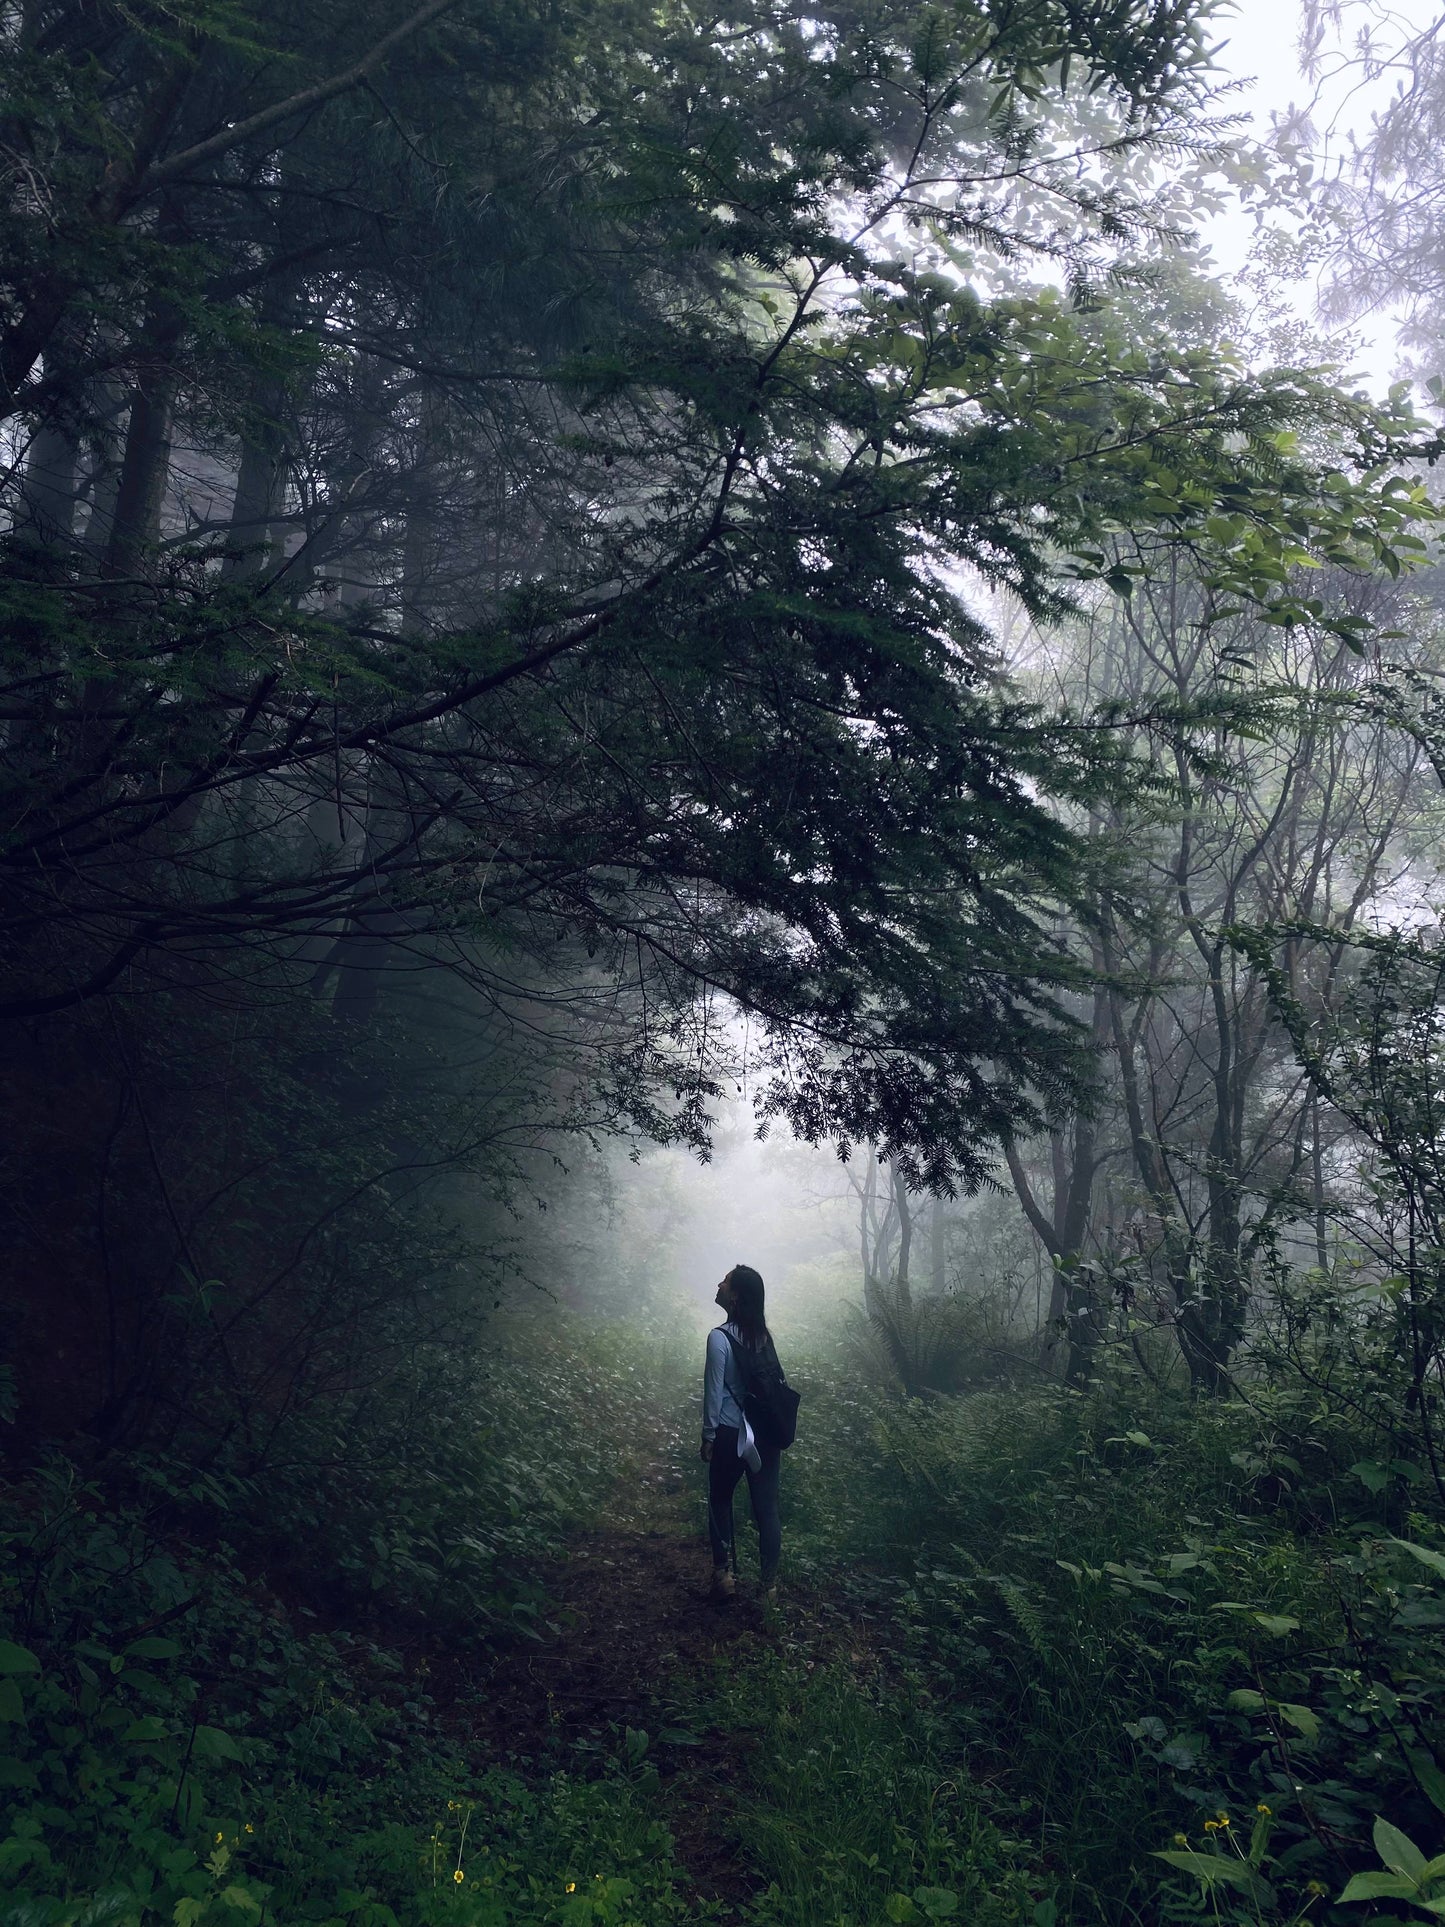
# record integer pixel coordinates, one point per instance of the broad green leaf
(1434, 1560)
(1302, 1720)
(213, 1743)
(1379, 1886)
(12, 1706)
(153, 1649)
(17, 1659)
(146, 1731)
(1244, 1699)
(1214, 1870)
(1398, 1851)
(1430, 1778)
(938, 1903)
(242, 1899)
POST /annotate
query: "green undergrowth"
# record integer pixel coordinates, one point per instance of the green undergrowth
(845, 1811)
(195, 1738)
(1112, 1659)
(1146, 1627)
(438, 1503)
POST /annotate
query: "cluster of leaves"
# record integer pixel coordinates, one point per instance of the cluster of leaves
(182, 1748)
(1152, 1619)
(731, 545)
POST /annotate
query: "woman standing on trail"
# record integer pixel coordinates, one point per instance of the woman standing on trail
(728, 1443)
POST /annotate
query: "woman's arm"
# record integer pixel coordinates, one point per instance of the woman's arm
(712, 1384)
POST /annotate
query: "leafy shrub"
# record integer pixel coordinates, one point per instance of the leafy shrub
(437, 1505)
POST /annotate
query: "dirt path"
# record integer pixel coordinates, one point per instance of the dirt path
(635, 1641)
(632, 1609)
(637, 1629)
(635, 1636)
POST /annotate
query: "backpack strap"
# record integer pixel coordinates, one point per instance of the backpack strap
(739, 1358)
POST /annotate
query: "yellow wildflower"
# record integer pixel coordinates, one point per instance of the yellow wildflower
(1211, 1826)
(1262, 1808)
(219, 1838)
(571, 1886)
(459, 1876)
(1181, 1839)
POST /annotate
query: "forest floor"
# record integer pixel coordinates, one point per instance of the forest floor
(634, 1640)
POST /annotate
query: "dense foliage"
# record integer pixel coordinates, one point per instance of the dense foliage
(186, 1744)
(1050, 1656)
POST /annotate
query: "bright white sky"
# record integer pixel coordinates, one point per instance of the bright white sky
(1262, 51)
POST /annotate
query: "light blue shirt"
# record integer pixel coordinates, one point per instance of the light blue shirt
(722, 1392)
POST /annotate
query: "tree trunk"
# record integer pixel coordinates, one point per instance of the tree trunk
(254, 545)
(135, 530)
(937, 1235)
(870, 1236)
(252, 548)
(905, 1241)
(1149, 1161)
(1075, 1321)
(50, 487)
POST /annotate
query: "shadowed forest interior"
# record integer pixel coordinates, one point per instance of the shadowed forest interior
(636, 639)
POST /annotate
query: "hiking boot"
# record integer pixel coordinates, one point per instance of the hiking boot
(724, 1586)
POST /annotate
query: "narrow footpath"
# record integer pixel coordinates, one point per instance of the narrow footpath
(634, 1641)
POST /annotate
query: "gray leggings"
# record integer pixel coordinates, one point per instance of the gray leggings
(724, 1470)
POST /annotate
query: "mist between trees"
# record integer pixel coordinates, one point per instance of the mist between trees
(634, 638)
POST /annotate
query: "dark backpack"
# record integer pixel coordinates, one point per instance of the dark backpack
(769, 1402)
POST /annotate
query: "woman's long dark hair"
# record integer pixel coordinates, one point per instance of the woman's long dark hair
(747, 1311)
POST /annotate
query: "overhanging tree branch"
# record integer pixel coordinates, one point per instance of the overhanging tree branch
(176, 165)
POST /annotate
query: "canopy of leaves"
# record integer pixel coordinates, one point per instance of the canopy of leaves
(633, 480)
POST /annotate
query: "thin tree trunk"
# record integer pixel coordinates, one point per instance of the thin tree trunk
(1149, 1161)
(868, 1234)
(905, 1240)
(1317, 1184)
(251, 548)
(135, 530)
(254, 545)
(50, 487)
